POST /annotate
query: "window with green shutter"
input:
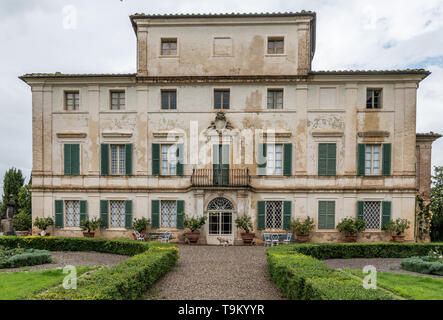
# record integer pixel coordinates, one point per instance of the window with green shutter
(59, 213)
(261, 215)
(326, 215)
(128, 214)
(386, 164)
(104, 215)
(287, 163)
(71, 159)
(287, 215)
(180, 159)
(361, 150)
(155, 159)
(128, 159)
(155, 214)
(180, 214)
(386, 213)
(104, 153)
(83, 210)
(261, 159)
(327, 159)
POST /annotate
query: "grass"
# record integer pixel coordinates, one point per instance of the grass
(19, 285)
(409, 286)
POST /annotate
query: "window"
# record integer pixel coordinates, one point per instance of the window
(118, 214)
(72, 100)
(372, 214)
(326, 214)
(276, 45)
(275, 99)
(118, 159)
(274, 215)
(169, 47)
(327, 153)
(274, 156)
(221, 99)
(168, 158)
(117, 100)
(72, 209)
(372, 160)
(169, 214)
(220, 223)
(71, 159)
(373, 98)
(169, 99)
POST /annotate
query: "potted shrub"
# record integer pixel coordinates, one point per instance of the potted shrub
(351, 227)
(397, 227)
(22, 222)
(140, 225)
(245, 224)
(43, 224)
(302, 228)
(89, 226)
(194, 225)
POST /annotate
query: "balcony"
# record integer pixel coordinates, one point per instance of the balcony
(220, 178)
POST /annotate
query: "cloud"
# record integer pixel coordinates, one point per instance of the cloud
(355, 34)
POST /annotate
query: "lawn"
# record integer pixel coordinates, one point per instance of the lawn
(410, 286)
(18, 285)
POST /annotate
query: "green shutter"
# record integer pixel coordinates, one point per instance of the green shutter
(330, 216)
(75, 159)
(287, 214)
(287, 163)
(225, 164)
(261, 159)
(386, 169)
(104, 213)
(322, 215)
(180, 213)
(155, 214)
(386, 213)
(361, 159)
(360, 210)
(332, 159)
(261, 215)
(128, 149)
(128, 214)
(59, 213)
(83, 210)
(105, 159)
(67, 159)
(327, 154)
(180, 153)
(155, 159)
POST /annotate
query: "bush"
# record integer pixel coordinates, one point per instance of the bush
(422, 265)
(398, 226)
(303, 227)
(15, 258)
(351, 226)
(194, 224)
(43, 223)
(127, 280)
(22, 221)
(140, 225)
(244, 223)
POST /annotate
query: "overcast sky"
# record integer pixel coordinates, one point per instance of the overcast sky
(351, 34)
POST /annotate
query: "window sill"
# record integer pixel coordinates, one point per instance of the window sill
(168, 56)
(275, 55)
(115, 229)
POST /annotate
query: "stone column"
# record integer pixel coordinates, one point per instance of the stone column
(350, 129)
(423, 163)
(93, 144)
(301, 149)
(37, 129)
(142, 51)
(304, 49)
(398, 139)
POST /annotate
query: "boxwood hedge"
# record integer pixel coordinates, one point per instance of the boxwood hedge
(22, 258)
(422, 265)
(127, 280)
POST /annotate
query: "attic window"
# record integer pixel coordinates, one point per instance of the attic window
(276, 45)
(169, 47)
(373, 98)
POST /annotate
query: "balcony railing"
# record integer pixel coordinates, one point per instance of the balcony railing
(220, 178)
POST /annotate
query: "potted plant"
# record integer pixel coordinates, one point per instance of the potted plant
(303, 228)
(397, 227)
(194, 225)
(22, 222)
(351, 227)
(140, 225)
(245, 224)
(89, 226)
(43, 224)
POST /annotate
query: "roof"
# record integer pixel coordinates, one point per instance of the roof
(371, 72)
(73, 75)
(431, 136)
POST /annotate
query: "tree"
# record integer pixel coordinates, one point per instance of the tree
(436, 205)
(24, 200)
(12, 182)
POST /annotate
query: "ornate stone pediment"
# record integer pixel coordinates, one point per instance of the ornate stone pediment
(220, 123)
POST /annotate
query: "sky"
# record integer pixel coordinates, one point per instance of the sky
(40, 36)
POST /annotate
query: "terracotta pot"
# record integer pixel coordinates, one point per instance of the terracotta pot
(88, 234)
(398, 238)
(192, 237)
(303, 237)
(247, 238)
(351, 238)
(22, 233)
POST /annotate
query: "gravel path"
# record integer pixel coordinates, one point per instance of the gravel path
(382, 265)
(75, 258)
(214, 273)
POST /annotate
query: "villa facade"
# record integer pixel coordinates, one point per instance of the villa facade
(225, 118)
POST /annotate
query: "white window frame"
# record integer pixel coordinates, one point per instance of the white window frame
(75, 213)
(120, 160)
(372, 153)
(171, 223)
(121, 213)
(379, 214)
(271, 165)
(171, 159)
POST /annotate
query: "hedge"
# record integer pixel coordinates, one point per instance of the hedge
(27, 258)
(301, 277)
(360, 250)
(127, 280)
(422, 265)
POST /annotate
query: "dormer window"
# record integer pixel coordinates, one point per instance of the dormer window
(276, 45)
(169, 47)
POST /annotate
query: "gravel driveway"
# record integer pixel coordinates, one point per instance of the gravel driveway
(382, 265)
(75, 258)
(214, 273)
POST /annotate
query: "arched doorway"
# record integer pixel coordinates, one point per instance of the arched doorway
(220, 211)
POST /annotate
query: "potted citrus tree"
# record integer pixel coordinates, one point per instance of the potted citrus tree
(351, 227)
(22, 223)
(140, 225)
(245, 224)
(303, 228)
(89, 226)
(397, 227)
(43, 224)
(194, 225)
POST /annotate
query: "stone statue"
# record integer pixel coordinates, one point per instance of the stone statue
(10, 208)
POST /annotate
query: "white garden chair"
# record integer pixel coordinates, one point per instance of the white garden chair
(287, 240)
(275, 240)
(267, 239)
(138, 236)
(164, 238)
